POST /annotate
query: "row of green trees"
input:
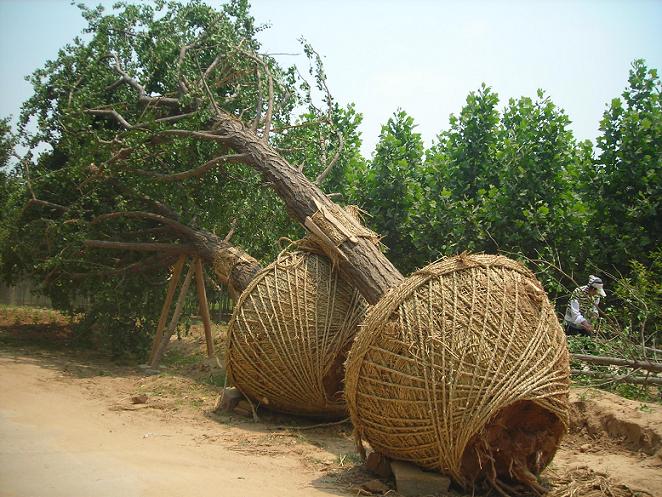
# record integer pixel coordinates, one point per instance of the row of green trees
(510, 179)
(518, 181)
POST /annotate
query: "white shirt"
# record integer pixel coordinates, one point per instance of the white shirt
(573, 314)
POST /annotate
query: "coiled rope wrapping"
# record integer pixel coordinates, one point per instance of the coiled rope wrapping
(290, 333)
(461, 360)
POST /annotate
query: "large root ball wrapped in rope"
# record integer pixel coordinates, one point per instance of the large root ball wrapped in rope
(463, 369)
(290, 334)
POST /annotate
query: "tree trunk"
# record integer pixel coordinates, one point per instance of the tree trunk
(343, 239)
(232, 266)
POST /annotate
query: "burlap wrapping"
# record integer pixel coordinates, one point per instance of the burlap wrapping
(443, 353)
(289, 336)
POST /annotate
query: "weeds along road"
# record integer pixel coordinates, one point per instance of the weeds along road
(56, 441)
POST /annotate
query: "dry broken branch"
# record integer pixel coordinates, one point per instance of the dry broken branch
(612, 378)
(618, 361)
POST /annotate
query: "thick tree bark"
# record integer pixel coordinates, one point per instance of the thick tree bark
(232, 266)
(342, 238)
(358, 257)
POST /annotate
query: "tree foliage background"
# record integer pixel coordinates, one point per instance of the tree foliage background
(502, 177)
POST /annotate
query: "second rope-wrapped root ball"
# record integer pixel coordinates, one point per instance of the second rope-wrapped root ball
(290, 333)
(463, 369)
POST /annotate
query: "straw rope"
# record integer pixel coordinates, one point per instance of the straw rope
(443, 353)
(225, 261)
(289, 334)
(584, 482)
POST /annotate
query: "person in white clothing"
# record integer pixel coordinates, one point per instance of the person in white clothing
(582, 312)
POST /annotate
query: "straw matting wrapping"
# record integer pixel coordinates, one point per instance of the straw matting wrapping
(290, 333)
(450, 359)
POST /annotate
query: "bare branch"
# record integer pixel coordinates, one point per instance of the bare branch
(25, 162)
(195, 172)
(270, 101)
(133, 83)
(613, 378)
(167, 119)
(170, 248)
(341, 144)
(216, 61)
(213, 65)
(71, 91)
(125, 77)
(44, 203)
(314, 122)
(175, 225)
(158, 206)
(196, 134)
(258, 105)
(112, 113)
(181, 80)
(210, 95)
(233, 226)
(619, 361)
(136, 267)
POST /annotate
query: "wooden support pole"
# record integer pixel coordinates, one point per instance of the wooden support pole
(174, 280)
(179, 306)
(203, 305)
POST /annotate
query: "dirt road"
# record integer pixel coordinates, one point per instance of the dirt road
(57, 441)
(68, 428)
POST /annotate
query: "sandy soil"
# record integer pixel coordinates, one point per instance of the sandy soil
(68, 428)
(60, 439)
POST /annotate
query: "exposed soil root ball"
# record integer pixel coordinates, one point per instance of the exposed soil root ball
(513, 447)
(289, 336)
(463, 369)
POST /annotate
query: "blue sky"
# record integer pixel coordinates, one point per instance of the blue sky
(423, 56)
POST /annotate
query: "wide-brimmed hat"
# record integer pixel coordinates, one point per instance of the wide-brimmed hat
(595, 282)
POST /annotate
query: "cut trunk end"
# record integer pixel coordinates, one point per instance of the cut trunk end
(513, 448)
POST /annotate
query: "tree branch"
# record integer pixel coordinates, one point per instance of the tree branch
(142, 94)
(136, 267)
(233, 226)
(636, 380)
(175, 225)
(270, 102)
(112, 113)
(195, 172)
(341, 144)
(195, 134)
(617, 361)
(170, 248)
(258, 105)
(44, 203)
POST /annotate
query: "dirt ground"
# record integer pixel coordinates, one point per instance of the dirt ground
(69, 427)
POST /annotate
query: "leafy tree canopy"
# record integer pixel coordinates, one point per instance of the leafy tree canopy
(627, 187)
(127, 114)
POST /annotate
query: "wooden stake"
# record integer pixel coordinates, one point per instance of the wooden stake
(204, 306)
(174, 320)
(174, 280)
